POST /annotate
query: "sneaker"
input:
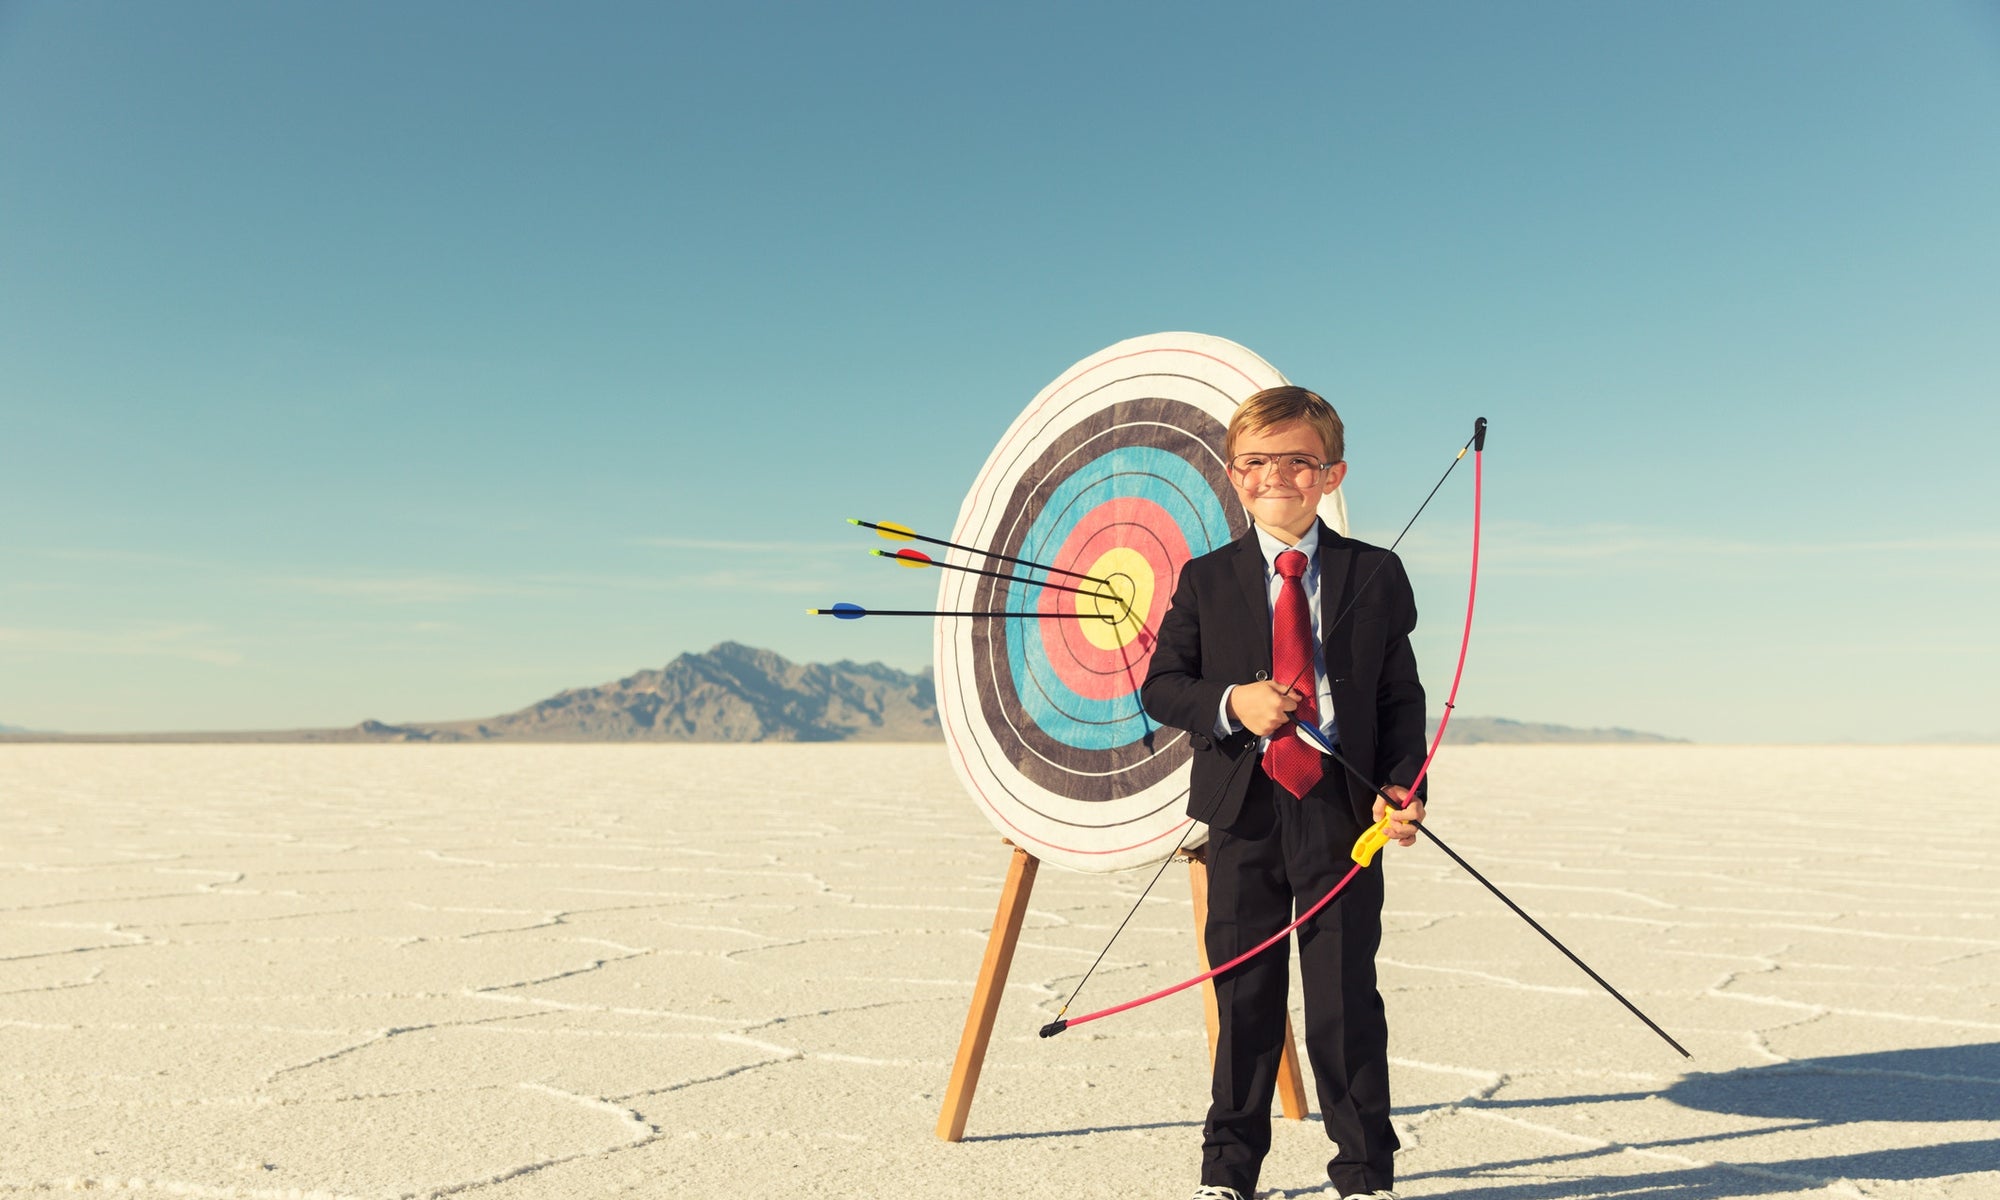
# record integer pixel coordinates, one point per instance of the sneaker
(1384, 1194)
(1209, 1191)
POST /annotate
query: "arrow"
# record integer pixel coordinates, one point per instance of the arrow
(1377, 836)
(917, 558)
(854, 612)
(903, 533)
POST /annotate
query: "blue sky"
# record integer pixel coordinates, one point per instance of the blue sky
(417, 361)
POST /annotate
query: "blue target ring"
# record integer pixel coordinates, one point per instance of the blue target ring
(1128, 473)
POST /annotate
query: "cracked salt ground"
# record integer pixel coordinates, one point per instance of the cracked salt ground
(517, 971)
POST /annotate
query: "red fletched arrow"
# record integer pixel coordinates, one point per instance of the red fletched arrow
(896, 532)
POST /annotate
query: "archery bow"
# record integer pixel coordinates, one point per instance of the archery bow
(1477, 444)
(1377, 836)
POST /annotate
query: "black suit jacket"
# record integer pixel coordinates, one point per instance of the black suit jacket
(1218, 632)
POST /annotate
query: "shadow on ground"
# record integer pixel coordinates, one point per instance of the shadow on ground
(1955, 1083)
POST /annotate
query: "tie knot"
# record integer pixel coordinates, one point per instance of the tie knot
(1291, 564)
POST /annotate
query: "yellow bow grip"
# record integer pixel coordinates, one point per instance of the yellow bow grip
(1370, 843)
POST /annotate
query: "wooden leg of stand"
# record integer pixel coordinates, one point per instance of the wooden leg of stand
(1291, 1081)
(986, 995)
(1198, 889)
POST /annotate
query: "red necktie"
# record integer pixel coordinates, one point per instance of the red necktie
(1289, 760)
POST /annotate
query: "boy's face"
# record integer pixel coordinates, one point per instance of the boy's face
(1281, 498)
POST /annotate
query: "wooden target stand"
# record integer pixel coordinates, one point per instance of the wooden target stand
(1000, 944)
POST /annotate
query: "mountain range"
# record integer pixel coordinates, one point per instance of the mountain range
(738, 693)
(1469, 730)
(733, 693)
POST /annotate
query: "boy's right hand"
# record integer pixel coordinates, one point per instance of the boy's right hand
(1263, 706)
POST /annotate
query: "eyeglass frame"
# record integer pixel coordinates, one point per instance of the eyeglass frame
(1270, 469)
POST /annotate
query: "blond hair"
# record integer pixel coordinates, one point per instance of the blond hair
(1276, 406)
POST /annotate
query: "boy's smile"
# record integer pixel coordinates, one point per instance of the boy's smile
(1284, 502)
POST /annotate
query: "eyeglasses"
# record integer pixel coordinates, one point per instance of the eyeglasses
(1299, 468)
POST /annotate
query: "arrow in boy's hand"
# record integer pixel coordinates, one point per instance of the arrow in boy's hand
(1377, 836)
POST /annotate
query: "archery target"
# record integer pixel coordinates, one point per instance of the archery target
(1113, 475)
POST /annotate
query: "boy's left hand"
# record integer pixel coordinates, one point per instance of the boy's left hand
(1403, 826)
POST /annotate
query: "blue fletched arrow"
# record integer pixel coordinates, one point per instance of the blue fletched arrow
(854, 612)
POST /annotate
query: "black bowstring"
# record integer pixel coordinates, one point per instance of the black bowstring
(1219, 794)
(1384, 560)
(1230, 779)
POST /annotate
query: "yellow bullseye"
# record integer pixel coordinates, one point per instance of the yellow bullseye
(1118, 620)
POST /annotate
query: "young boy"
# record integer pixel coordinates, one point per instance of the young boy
(1293, 623)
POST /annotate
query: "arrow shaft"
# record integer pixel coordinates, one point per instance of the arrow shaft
(1505, 899)
(1552, 940)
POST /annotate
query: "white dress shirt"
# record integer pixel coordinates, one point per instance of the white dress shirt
(1308, 545)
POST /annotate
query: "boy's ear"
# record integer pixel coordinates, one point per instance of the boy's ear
(1334, 476)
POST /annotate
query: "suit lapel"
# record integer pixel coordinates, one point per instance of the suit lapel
(1256, 599)
(1335, 563)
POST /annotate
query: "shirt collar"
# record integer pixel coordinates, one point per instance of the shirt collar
(1272, 547)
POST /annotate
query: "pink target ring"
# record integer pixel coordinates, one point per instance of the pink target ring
(1134, 543)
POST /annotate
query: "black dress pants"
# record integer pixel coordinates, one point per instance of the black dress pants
(1281, 856)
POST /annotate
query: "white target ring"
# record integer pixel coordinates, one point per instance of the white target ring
(1113, 472)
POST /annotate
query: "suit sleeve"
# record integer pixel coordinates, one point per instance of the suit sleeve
(1175, 692)
(1399, 695)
